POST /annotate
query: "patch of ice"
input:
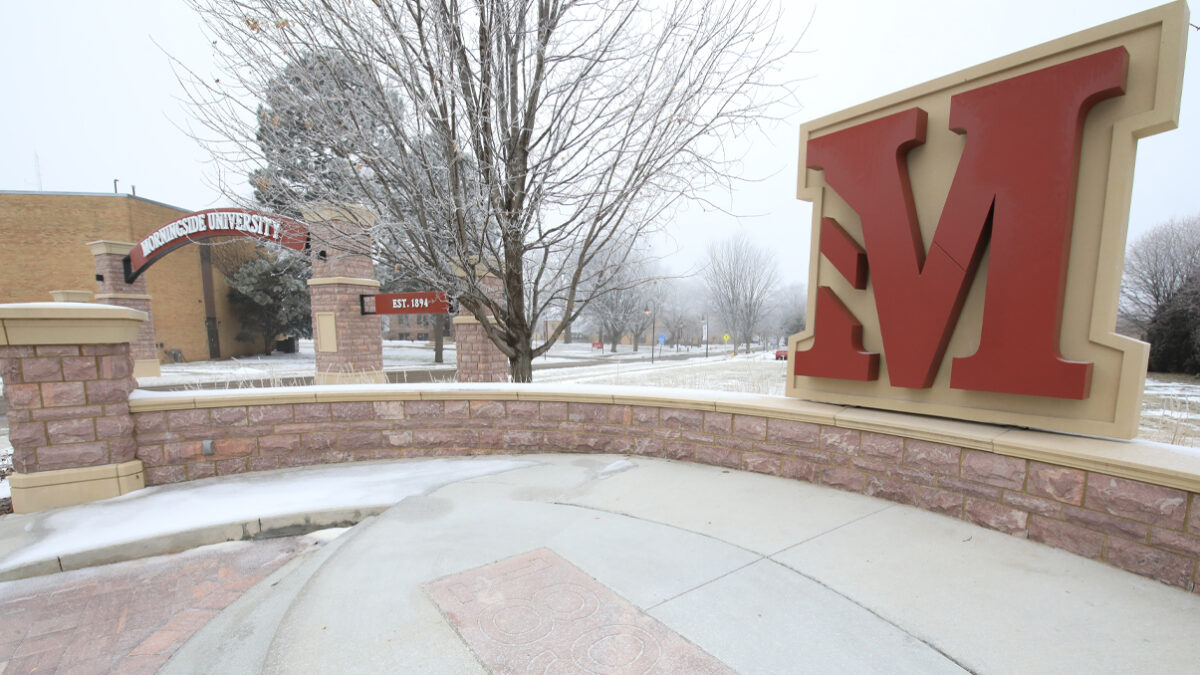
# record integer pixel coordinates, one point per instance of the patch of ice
(615, 468)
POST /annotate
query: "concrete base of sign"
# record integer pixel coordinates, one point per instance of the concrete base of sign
(361, 377)
(49, 489)
(146, 368)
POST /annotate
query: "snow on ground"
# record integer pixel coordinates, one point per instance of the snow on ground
(163, 510)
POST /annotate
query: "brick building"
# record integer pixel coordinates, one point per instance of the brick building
(44, 236)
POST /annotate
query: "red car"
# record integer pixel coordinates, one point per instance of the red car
(781, 355)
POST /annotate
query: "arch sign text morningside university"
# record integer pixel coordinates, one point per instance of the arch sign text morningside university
(969, 235)
(213, 223)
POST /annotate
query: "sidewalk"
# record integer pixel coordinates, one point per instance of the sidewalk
(565, 562)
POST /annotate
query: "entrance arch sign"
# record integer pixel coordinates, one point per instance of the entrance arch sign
(286, 232)
(969, 235)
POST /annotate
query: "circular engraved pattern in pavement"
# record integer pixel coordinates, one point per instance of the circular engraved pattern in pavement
(616, 648)
(567, 602)
(515, 622)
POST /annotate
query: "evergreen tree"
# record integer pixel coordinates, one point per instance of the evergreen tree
(269, 296)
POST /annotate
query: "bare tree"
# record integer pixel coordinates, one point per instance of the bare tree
(1157, 265)
(740, 279)
(529, 142)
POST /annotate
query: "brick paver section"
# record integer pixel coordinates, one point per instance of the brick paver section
(127, 617)
(536, 612)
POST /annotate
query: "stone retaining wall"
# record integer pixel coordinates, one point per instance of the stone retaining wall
(1092, 505)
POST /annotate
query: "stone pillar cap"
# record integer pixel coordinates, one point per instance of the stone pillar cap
(68, 323)
(102, 246)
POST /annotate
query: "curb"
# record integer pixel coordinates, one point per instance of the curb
(257, 528)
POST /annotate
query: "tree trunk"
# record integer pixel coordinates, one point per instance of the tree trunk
(520, 367)
(438, 337)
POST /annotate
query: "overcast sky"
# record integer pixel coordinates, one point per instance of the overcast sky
(90, 97)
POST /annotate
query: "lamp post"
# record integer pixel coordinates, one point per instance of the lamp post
(705, 317)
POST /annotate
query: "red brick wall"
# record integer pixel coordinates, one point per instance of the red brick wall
(1147, 529)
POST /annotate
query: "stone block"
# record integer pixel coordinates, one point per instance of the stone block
(1038, 505)
(842, 478)
(521, 410)
(423, 409)
(182, 453)
(750, 427)
(23, 395)
(971, 488)
(794, 433)
(684, 420)
(940, 501)
(681, 450)
(71, 456)
(488, 409)
(800, 469)
(115, 367)
(882, 447)
(150, 422)
(266, 415)
(995, 516)
(281, 443)
(993, 469)
(707, 454)
(761, 463)
(225, 448)
(56, 350)
(1169, 568)
(79, 430)
(178, 420)
(892, 489)
(311, 412)
(1154, 504)
(108, 391)
(937, 458)
(315, 442)
(360, 440)
(456, 409)
(643, 415)
(228, 417)
(718, 423)
(226, 467)
(1056, 482)
(198, 470)
(41, 370)
(59, 394)
(553, 411)
(27, 434)
(1068, 537)
(1102, 522)
(1182, 544)
(162, 475)
(844, 441)
(79, 368)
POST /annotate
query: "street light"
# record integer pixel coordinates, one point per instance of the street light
(705, 319)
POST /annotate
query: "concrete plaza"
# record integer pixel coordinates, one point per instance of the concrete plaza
(599, 563)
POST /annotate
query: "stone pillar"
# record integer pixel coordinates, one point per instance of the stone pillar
(348, 344)
(112, 290)
(68, 372)
(479, 359)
